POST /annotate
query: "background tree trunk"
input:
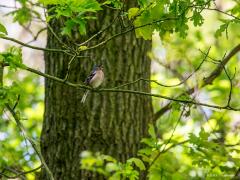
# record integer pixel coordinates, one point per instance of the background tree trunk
(112, 123)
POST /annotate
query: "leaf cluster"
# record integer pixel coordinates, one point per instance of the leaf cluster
(76, 13)
(25, 13)
(166, 16)
(110, 167)
(12, 57)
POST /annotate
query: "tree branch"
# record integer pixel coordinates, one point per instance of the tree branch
(35, 37)
(127, 31)
(30, 46)
(39, 48)
(160, 152)
(16, 117)
(21, 173)
(222, 12)
(34, 146)
(114, 89)
(206, 81)
(220, 67)
(99, 32)
(148, 24)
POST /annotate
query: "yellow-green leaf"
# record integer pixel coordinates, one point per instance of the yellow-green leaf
(82, 47)
(137, 162)
(3, 29)
(132, 12)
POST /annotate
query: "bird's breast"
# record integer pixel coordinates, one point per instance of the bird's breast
(97, 79)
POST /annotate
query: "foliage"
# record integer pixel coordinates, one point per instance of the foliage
(16, 152)
(212, 156)
(166, 16)
(25, 13)
(19, 92)
(110, 167)
(76, 12)
(13, 57)
(2, 29)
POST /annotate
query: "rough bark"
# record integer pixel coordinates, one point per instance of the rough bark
(112, 123)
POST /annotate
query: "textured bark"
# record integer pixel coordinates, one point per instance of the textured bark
(112, 123)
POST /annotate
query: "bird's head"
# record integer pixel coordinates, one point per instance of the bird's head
(99, 67)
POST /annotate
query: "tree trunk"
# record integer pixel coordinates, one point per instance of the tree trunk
(111, 123)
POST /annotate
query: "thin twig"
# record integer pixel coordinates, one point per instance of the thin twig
(40, 48)
(32, 47)
(160, 152)
(69, 67)
(217, 71)
(127, 31)
(34, 146)
(206, 81)
(148, 24)
(81, 86)
(16, 103)
(222, 12)
(169, 68)
(8, 7)
(220, 62)
(99, 32)
(21, 173)
(23, 131)
(36, 36)
(164, 85)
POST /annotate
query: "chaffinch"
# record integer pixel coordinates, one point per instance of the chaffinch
(94, 80)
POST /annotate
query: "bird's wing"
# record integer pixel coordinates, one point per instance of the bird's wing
(87, 81)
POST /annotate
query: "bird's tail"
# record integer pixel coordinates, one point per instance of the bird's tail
(84, 96)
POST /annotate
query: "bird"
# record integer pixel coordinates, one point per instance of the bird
(95, 79)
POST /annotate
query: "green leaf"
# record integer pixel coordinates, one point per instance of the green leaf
(137, 162)
(236, 10)
(48, 2)
(145, 151)
(146, 30)
(203, 135)
(91, 5)
(143, 3)
(149, 141)
(3, 29)
(115, 3)
(77, 12)
(67, 30)
(107, 2)
(197, 18)
(115, 176)
(151, 131)
(13, 56)
(185, 97)
(22, 1)
(221, 29)
(132, 12)
(182, 27)
(110, 167)
(176, 106)
(108, 158)
(193, 138)
(63, 11)
(22, 15)
(9, 93)
(82, 28)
